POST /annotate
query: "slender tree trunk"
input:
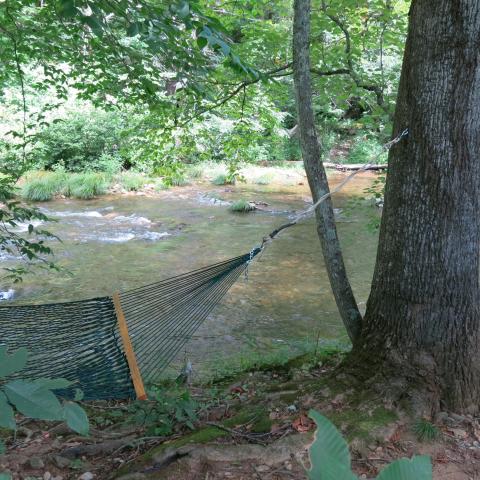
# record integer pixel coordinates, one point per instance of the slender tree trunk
(421, 331)
(317, 178)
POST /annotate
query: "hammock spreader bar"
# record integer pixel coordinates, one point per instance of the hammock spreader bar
(108, 347)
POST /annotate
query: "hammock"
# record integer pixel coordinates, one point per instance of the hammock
(110, 346)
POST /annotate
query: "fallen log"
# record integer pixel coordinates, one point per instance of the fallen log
(353, 166)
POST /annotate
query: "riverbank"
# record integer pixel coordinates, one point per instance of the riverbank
(253, 424)
(41, 186)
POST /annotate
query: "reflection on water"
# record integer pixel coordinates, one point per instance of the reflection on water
(117, 243)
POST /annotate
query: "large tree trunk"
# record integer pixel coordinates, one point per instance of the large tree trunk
(422, 326)
(317, 178)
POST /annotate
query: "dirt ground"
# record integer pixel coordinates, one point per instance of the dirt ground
(260, 429)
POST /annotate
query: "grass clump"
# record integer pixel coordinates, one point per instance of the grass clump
(195, 172)
(85, 185)
(242, 206)
(132, 182)
(220, 179)
(178, 180)
(43, 186)
(425, 430)
(265, 179)
(160, 185)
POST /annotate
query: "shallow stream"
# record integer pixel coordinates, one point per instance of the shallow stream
(119, 242)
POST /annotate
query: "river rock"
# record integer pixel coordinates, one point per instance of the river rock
(262, 468)
(86, 476)
(36, 463)
(61, 462)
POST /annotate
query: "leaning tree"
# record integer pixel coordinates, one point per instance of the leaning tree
(419, 339)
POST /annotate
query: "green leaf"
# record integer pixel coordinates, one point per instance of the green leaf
(12, 363)
(329, 454)
(7, 416)
(76, 418)
(5, 476)
(33, 400)
(418, 468)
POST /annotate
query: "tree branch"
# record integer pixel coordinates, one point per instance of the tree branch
(377, 89)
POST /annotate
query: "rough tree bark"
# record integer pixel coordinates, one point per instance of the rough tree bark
(317, 178)
(421, 331)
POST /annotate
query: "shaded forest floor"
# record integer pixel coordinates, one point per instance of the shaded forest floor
(255, 426)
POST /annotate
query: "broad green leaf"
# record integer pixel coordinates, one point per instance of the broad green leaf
(7, 416)
(33, 400)
(416, 468)
(329, 454)
(76, 418)
(53, 384)
(12, 363)
(5, 476)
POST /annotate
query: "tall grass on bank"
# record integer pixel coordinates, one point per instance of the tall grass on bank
(132, 181)
(44, 186)
(85, 185)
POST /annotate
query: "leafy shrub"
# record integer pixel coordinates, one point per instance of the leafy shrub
(42, 186)
(132, 181)
(110, 163)
(242, 206)
(34, 399)
(87, 139)
(367, 150)
(166, 407)
(85, 185)
(330, 458)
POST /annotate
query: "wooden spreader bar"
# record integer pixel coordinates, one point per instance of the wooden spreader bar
(128, 348)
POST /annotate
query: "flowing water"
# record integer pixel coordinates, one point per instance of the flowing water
(119, 242)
